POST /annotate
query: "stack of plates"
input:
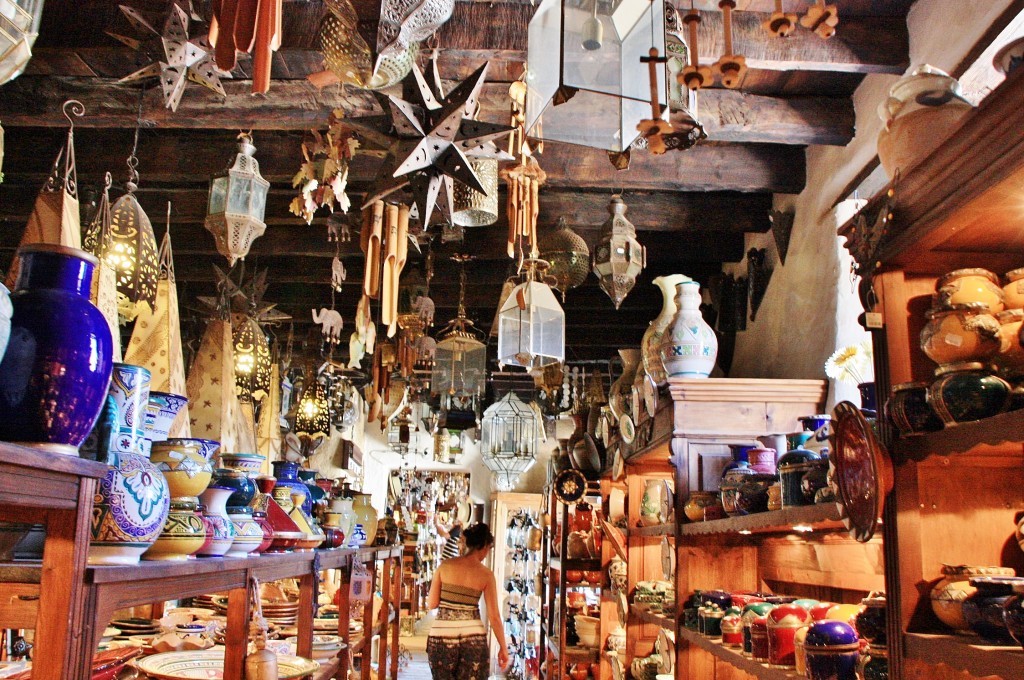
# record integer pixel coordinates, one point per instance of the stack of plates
(135, 626)
(325, 624)
(218, 603)
(281, 613)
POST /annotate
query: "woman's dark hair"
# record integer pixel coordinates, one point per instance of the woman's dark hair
(478, 536)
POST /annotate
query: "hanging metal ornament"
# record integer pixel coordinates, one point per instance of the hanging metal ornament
(780, 24)
(252, 360)
(618, 256)
(730, 67)
(180, 60)
(430, 141)
(133, 252)
(822, 19)
(568, 255)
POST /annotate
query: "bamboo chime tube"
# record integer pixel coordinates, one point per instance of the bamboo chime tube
(389, 283)
(371, 278)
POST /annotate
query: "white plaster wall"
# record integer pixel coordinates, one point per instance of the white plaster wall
(811, 306)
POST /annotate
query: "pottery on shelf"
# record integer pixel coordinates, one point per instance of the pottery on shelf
(750, 612)
(215, 499)
(650, 345)
(966, 392)
(689, 347)
(963, 332)
(185, 465)
(285, 532)
(249, 463)
(793, 465)
(983, 610)
(833, 650)
(162, 409)
(908, 409)
(870, 622)
(54, 325)
(100, 442)
(129, 510)
(760, 647)
(244, 488)
(948, 595)
(248, 533)
(346, 518)
(1010, 358)
(365, 515)
(1013, 614)
(287, 475)
(783, 622)
(1013, 291)
(730, 487)
(703, 506)
(970, 285)
(620, 393)
(183, 534)
(762, 460)
(129, 385)
(874, 663)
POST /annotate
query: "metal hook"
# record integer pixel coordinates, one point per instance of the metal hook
(76, 108)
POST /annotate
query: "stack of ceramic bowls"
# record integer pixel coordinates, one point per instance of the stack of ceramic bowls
(588, 630)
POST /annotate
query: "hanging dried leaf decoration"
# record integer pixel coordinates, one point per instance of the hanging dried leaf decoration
(323, 176)
(132, 253)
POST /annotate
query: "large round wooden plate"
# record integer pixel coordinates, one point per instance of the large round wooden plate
(861, 471)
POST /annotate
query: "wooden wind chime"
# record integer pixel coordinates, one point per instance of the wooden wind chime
(730, 67)
(654, 128)
(524, 181)
(822, 19)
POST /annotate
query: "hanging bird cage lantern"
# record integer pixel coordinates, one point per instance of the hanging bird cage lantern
(19, 26)
(472, 208)
(583, 80)
(252, 360)
(400, 433)
(238, 202)
(618, 256)
(460, 357)
(531, 323)
(313, 415)
(569, 257)
(509, 438)
(132, 251)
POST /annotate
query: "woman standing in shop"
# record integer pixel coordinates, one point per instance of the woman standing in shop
(457, 644)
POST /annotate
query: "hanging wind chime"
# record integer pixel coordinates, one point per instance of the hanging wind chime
(694, 76)
(780, 24)
(524, 181)
(730, 67)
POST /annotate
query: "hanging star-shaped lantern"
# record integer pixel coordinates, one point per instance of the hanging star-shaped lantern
(430, 141)
(183, 60)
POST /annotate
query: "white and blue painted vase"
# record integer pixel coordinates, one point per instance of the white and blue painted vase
(689, 347)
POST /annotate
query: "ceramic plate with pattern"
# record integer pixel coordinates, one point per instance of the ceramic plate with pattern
(626, 428)
(650, 396)
(570, 485)
(209, 665)
(861, 471)
(666, 559)
(618, 465)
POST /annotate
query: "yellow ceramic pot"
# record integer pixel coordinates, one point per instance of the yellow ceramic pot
(948, 595)
(965, 286)
(183, 534)
(185, 466)
(366, 516)
(1013, 291)
(1011, 354)
(703, 505)
(965, 332)
(844, 612)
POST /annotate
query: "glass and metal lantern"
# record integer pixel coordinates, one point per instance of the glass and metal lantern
(313, 415)
(531, 324)
(585, 81)
(19, 26)
(400, 431)
(618, 256)
(252, 360)
(238, 201)
(472, 208)
(460, 358)
(509, 438)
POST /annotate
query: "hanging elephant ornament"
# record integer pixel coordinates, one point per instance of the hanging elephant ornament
(330, 324)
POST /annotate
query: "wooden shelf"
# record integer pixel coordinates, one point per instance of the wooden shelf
(663, 620)
(574, 565)
(654, 531)
(820, 517)
(963, 653)
(1000, 429)
(575, 654)
(735, 658)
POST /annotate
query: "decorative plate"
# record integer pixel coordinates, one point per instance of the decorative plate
(570, 485)
(666, 508)
(650, 396)
(618, 466)
(861, 471)
(209, 665)
(626, 428)
(666, 561)
(666, 648)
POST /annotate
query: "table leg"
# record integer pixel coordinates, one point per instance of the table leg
(385, 627)
(368, 624)
(236, 637)
(396, 626)
(305, 622)
(343, 621)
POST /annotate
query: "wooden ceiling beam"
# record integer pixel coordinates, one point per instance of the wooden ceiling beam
(727, 115)
(193, 156)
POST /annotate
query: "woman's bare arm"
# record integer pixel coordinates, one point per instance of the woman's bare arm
(494, 618)
(434, 598)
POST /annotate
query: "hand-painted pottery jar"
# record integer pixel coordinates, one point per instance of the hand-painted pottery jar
(868, 399)
(54, 325)
(650, 345)
(691, 611)
(833, 650)
(968, 391)
(983, 610)
(965, 286)
(966, 332)
(316, 494)
(215, 499)
(249, 463)
(1013, 291)
(819, 611)
(799, 652)
(870, 622)
(750, 612)
(815, 481)
(742, 599)
(129, 385)
(207, 525)
(821, 427)
(739, 455)
(908, 409)
(260, 517)
(248, 533)
(730, 487)
(732, 630)
(783, 622)
(100, 442)
(752, 494)
(689, 346)
(762, 460)
(719, 598)
(759, 644)
(365, 515)
(244, 488)
(948, 595)
(129, 510)
(793, 465)
(184, 533)
(1013, 614)
(806, 603)
(703, 506)
(847, 613)
(711, 620)
(874, 663)
(162, 409)
(287, 475)
(185, 466)
(1010, 358)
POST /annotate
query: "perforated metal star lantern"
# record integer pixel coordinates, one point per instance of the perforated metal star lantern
(183, 60)
(430, 141)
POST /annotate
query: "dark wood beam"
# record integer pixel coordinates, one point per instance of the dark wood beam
(193, 156)
(727, 115)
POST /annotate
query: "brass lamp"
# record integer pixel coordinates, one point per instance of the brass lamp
(238, 201)
(313, 416)
(569, 257)
(132, 251)
(618, 256)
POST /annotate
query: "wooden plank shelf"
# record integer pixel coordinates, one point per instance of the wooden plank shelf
(735, 658)
(574, 565)
(575, 654)
(963, 653)
(819, 517)
(647, 616)
(654, 531)
(1000, 429)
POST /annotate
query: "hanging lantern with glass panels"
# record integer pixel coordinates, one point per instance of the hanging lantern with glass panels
(460, 357)
(509, 438)
(238, 201)
(618, 256)
(19, 26)
(531, 323)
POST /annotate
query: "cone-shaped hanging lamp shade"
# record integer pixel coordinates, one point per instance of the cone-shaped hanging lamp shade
(211, 387)
(268, 429)
(104, 281)
(133, 254)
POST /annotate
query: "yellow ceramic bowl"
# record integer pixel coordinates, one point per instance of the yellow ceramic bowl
(966, 332)
(184, 465)
(965, 286)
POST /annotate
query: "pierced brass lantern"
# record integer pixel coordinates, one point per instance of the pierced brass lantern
(618, 256)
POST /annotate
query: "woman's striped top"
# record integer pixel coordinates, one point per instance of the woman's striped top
(459, 612)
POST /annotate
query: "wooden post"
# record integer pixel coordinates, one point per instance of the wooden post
(344, 573)
(236, 637)
(304, 647)
(396, 598)
(385, 594)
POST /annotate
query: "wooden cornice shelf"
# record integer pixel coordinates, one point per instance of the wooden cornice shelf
(962, 654)
(822, 516)
(654, 531)
(666, 622)
(574, 564)
(730, 656)
(1005, 427)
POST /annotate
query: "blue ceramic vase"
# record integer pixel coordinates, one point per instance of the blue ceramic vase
(287, 475)
(56, 370)
(244, 488)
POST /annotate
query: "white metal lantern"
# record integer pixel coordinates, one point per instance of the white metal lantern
(238, 201)
(618, 256)
(510, 434)
(472, 208)
(19, 26)
(585, 81)
(531, 326)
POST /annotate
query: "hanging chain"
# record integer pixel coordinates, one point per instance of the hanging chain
(133, 159)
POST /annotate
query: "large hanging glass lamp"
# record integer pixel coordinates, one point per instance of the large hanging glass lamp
(252, 360)
(585, 81)
(569, 257)
(132, 252)
(19, 26)
(238, 201)
(460, 358)
(618, 256)
(509, 438)
(313, 415)
(531, 323)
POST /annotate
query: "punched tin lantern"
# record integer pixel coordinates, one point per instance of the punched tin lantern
(238, 201)
(19, 26)
(252, 360)
(313, 415)
(531, 326)
(132, 253)
(618, 256)
(585, 81)
(569, 257)
(472, 208)
(510, 433)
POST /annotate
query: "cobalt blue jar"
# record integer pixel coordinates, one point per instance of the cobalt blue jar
(56, 371)
(833, 650)
(287, 474)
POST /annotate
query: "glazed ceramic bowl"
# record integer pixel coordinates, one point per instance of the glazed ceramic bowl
(948, 595)
(1013, 291)
(963, 332)
(210, 662)
(185, 465)
(249, 463)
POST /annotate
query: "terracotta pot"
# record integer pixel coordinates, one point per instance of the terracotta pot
(966, 332)
(964, 286)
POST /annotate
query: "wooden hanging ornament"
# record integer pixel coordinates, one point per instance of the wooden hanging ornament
(822, 19)
(730, 67)
(780, 24)
(653, 128)
(694, 76)
(247, 26)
